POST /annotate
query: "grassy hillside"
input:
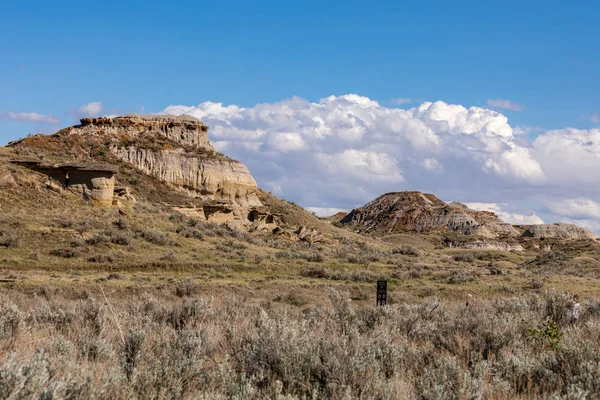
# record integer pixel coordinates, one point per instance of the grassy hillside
(57, 238)
(139, 301)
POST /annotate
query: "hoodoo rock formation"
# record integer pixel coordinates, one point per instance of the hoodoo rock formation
(95, 182)
(185, 130)
(174, 150)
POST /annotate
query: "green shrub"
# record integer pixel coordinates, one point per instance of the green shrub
(546, 334)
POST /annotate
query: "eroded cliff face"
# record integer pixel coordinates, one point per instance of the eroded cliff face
(176, 150)
(184, 130)
(208, 178)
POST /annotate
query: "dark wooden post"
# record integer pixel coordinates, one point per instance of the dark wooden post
(381, 293)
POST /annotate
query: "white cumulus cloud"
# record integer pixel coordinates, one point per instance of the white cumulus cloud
(578, 208)
(511, 218)
(431, 164)
(29, 117)
(343, 151)
(93, 109)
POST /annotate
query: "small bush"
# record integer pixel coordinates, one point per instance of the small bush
(131, 352)
(186, 289)
(406, 250)
(168, 256)
(155, 237)
(316, 272)
(314, 257)
(84, 226)
(121, 224)
(9, 239)
(77, 242)
(464, 257)
(65, 223)
(489, 256)
(292, 298)
(546, 334)
(235, 245)
(105, 258)
(536, 284)
(552, 260)
(355, 259)
(494, 269)
(189, 232)
(121, 238)
(415, 273)
(458, 277)
(283, 254)
(98, 238)
(64, 253)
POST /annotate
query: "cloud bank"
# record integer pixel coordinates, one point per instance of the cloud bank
(343, 151)
(29, 117)
(92, 109)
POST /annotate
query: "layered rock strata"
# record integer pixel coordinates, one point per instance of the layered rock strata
(558, 231)
(416, 211)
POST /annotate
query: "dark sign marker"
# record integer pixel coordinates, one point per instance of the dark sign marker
(381, 293)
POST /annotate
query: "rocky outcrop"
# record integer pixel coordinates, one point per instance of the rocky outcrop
(416, 211)
(172, 149)
(337, 217)
(558, 231)
(185, 130)
(93, 181)
(485, 245)
(176, 150)
(209, 178)
(488, 222)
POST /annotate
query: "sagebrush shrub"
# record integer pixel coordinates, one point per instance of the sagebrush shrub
(137, 346)
(463, 257)
(406, 250)
(9, 239)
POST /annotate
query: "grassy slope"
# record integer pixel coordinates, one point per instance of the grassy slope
(66, 240)
(153, 305)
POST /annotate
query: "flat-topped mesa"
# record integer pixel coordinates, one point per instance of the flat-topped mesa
(173, 149)
(176, 150)
(184, 130)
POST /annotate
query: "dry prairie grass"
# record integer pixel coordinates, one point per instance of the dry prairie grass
(197, 310)
(144, 347)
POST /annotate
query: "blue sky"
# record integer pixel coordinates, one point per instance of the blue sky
(544, 55)
(535, 62)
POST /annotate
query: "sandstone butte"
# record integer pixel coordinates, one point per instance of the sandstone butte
(418, 212)
(176, 150)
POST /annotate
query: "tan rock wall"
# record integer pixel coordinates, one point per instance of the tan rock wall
(214, 179)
